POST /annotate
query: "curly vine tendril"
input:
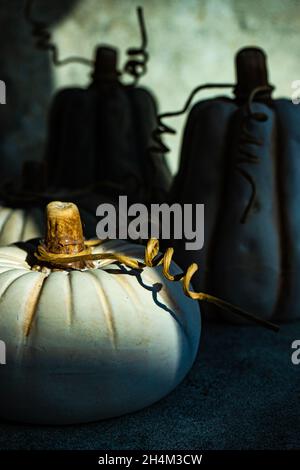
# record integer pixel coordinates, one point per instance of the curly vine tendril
(136, 65)
(247, 156)
(159, 147)
(152, 258)
(43, 39)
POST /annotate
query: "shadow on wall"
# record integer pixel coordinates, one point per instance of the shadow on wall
(27, 74)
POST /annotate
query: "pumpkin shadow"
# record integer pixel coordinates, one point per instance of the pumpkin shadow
(30, 247)
(183, 340)
(154, 288)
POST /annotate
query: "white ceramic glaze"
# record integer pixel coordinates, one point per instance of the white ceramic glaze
(87, 345)
(20, 224)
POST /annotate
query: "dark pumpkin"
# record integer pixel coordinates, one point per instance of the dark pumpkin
(99, 137)
(242, 161)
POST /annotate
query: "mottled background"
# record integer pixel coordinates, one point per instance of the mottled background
(190, 41)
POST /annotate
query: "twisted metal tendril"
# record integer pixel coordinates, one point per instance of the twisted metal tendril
(158, 147)
(44, 39)
(136, 65)
(248, 156)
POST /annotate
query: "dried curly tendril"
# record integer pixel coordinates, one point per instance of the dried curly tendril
(152, 258)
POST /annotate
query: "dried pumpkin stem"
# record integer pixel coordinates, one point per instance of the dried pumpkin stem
(64, 234)
(63, 228)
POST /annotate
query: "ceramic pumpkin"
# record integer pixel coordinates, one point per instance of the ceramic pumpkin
(240, 158)
(91, 343)
(110, 123)
(19, 224)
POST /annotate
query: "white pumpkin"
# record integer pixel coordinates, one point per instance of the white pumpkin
(18, 224)
(92, 344)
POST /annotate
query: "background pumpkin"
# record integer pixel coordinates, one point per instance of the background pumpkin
(103, 132)
(86, 345)
(242, 161)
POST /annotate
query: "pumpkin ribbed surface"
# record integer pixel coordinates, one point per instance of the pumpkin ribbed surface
(86, 345)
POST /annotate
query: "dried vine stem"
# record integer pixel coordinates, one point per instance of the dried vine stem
(248, 156)
(65, 247)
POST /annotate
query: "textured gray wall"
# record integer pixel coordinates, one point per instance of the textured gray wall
(190, 41)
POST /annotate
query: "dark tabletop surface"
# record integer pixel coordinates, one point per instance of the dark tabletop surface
(243, 392)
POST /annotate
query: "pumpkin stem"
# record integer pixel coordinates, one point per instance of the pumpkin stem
(252, 72)
(64, 234)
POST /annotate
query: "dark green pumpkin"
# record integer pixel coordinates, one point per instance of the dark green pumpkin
(243, 164)
(99, 137)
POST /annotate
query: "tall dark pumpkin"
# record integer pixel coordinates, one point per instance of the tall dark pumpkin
(99, 137)
(241, 158)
